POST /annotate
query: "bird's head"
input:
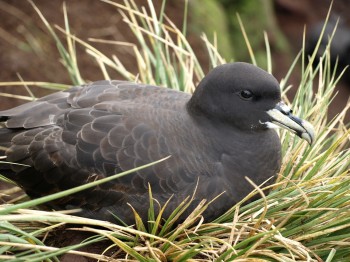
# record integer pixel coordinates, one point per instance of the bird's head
(248, 98)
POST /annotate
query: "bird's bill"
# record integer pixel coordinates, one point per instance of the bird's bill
(282, 116)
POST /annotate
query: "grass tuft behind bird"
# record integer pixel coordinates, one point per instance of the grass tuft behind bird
(304, 218)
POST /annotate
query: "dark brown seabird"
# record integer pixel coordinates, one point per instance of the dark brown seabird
(218, 136)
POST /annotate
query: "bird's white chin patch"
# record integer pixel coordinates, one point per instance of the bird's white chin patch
(270, 125)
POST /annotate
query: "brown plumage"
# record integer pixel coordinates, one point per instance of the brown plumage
(215, 138)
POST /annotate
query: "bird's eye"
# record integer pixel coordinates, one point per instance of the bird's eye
(246, 94)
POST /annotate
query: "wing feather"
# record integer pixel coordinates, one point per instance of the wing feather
(90, 132)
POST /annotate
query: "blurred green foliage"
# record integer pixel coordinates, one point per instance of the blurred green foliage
(209, 17)
(220, 16)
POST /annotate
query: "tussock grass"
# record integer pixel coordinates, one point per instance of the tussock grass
(305, 217)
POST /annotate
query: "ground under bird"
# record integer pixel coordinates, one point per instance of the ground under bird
(215, 138)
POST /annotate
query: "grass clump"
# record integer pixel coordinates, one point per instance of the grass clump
(304, 218)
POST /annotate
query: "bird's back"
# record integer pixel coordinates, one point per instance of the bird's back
(85, 133)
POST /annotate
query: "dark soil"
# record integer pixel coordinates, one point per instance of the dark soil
(40, 60)
(63, 237)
